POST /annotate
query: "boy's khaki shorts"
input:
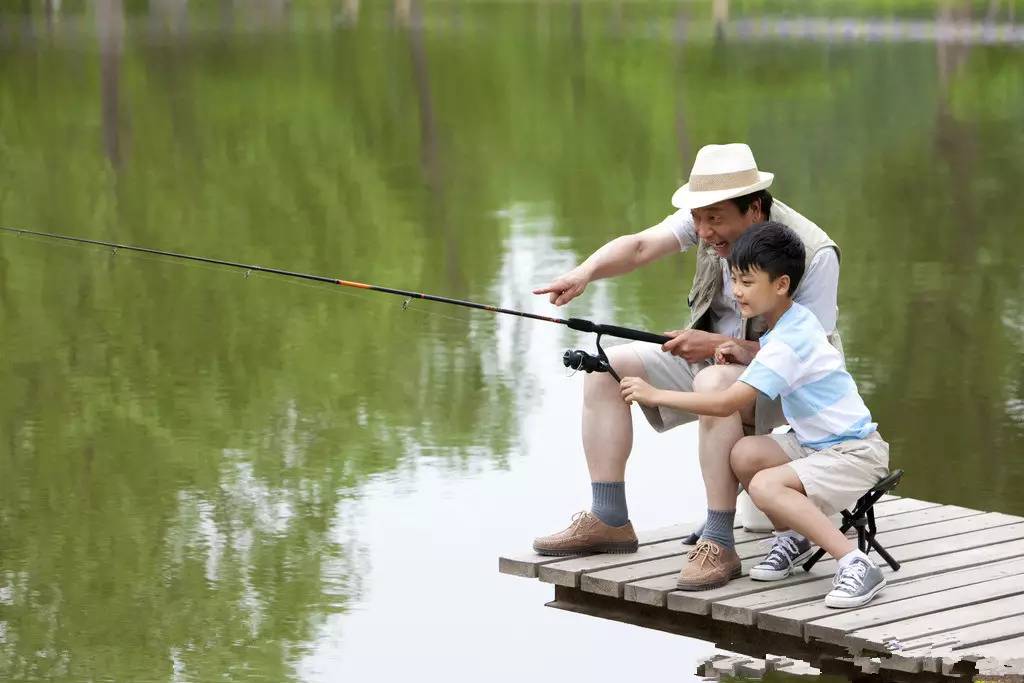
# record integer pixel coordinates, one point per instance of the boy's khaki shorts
(835, 477)
(672, 373)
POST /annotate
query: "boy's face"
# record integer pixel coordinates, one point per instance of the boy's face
(721, 224)
(757, 293)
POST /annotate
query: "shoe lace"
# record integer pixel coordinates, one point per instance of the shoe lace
(577, 519)
(705, 552)
(851, 578)
(785, 548)
(780, 548)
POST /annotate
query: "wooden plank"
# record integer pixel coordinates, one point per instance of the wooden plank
(895, 506)
(940, 653)
(912, 543)
(969, 637)
(1003, 649)
(938, 658)
(833, 629)
(613, 581)
(965, 566)
(886, 636)
(743, 609)
(930, 515)
(1000, 658)
(653, 591)
(700, 602)
(741, 612)
(788, 609)
(527, 564)
(568, 572)
(1008, 663)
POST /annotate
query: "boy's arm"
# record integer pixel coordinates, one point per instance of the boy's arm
(714, 404)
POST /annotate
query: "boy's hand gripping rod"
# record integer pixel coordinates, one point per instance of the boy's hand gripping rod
(577, 359)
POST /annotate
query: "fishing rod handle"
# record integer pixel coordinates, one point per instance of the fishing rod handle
(582, 325)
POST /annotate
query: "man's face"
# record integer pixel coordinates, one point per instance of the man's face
(756, 292)
(721, 224)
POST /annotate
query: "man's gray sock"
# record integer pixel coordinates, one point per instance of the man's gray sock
(719, 527)
(609, 504)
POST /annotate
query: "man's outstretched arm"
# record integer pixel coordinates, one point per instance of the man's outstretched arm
(620, 256)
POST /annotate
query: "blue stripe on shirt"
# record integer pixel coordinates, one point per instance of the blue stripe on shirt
(796, 329)
(861, 429)
(812, 398)
(764, 379)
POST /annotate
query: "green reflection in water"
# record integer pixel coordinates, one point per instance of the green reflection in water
(178, 441)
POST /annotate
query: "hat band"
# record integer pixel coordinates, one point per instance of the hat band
(723, 181)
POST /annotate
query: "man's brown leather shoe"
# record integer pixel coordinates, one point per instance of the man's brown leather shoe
(709, 565)
(588, 534)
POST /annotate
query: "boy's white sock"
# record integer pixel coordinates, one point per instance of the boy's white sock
(792, 534)
(851, 556)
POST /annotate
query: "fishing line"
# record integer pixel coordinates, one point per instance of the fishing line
(576, 359)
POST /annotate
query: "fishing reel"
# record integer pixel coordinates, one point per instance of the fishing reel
(578, 359)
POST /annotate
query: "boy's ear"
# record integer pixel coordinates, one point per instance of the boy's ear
(782, 284)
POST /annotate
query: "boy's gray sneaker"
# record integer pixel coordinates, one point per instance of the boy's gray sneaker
(855, 585)
(778, 563)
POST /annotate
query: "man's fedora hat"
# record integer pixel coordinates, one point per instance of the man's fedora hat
(721, 172)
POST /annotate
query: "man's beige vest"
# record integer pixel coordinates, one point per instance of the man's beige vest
(707, 283)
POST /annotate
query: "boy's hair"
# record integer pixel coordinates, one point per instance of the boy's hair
(771, 247)
(762, 197)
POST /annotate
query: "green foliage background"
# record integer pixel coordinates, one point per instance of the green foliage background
(177, 440)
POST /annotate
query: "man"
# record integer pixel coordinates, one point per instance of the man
(726, 195)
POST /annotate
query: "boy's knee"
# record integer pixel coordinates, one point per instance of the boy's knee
(762, 486)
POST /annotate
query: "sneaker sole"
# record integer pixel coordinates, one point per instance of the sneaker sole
(711, 584)
(779, 574)
(609, 548)
(847, 603)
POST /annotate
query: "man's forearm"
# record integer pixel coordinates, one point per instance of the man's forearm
(618, 257)
(752, 346)
(714, 340)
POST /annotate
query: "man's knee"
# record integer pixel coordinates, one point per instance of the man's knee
(599, 386)
(716, 378)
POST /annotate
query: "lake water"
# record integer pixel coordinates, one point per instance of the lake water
(207, 476)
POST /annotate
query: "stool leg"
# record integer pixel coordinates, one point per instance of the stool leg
(814, 559)
(884, 553)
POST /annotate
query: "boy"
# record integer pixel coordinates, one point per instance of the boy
(832, 456)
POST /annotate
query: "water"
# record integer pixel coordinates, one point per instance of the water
(207, 476)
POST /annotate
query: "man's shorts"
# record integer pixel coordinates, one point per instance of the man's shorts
(666, 371)
(835, 477)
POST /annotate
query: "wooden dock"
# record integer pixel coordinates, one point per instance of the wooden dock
(955, 608)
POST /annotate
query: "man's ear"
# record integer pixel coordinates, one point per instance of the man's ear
(757, 208)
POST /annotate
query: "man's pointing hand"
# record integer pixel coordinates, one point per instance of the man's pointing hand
(565, 288)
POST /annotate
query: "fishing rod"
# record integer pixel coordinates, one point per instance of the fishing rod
(574, 358)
